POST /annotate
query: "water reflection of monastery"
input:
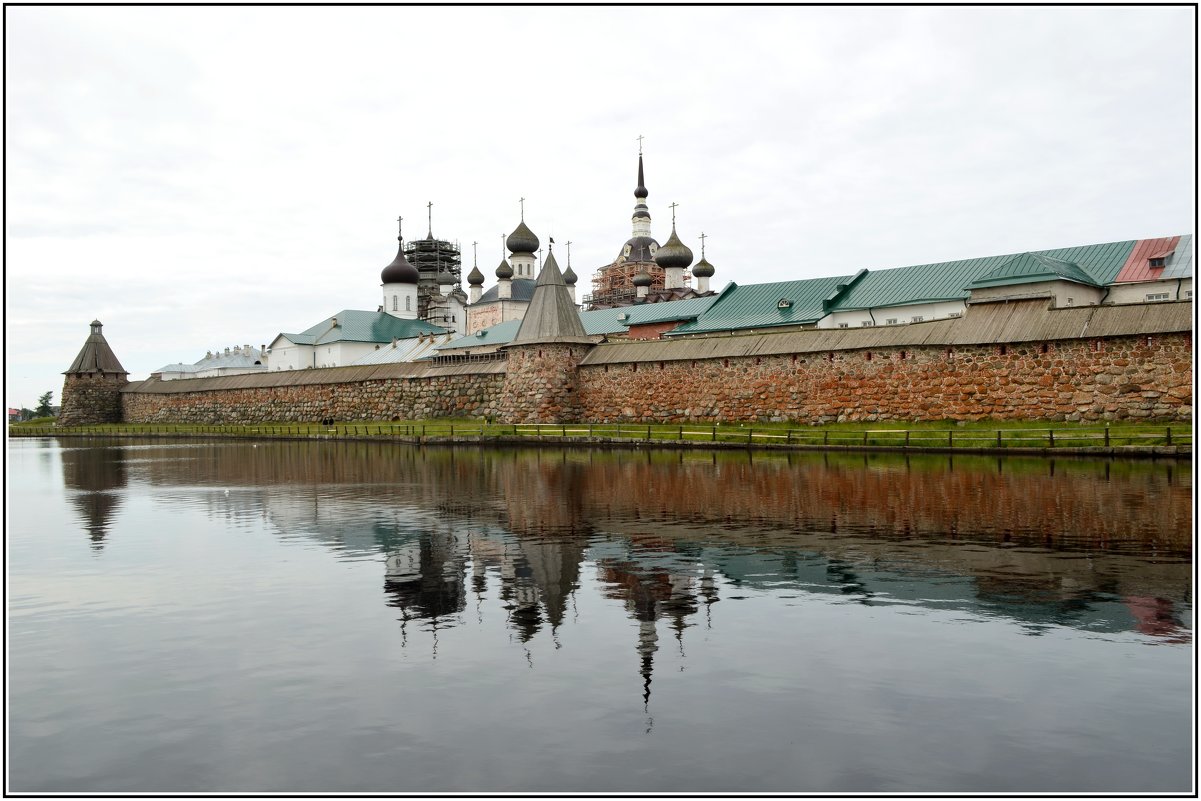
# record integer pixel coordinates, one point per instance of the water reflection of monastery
(667, 538)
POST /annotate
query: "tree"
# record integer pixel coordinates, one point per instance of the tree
(44, 409)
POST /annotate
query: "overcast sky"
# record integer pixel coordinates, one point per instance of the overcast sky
(198, 178)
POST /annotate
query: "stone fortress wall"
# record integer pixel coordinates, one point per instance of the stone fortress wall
(1001, 361)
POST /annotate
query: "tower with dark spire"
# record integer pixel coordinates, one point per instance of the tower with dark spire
(644, 271)
(92, 388)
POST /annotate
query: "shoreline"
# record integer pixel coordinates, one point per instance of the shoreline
(1178, 452)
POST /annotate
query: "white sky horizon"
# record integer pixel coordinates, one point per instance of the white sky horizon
(204, 177)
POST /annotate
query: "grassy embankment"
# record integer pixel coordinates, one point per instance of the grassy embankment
(985, 434)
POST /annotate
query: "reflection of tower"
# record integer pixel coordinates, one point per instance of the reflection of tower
(426, 579)
(648, 643)
(649, 593)
(98, 475)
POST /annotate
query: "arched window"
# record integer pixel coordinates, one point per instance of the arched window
(408, 303)
(393, 303)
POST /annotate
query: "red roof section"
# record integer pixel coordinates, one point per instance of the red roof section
(1137, 268)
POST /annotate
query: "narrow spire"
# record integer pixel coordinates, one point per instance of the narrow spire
(522, 202)
(400, 235)
(640, 138)
(430, 206)
(673, 215)
(702, 244)
(474, 254)
(569, 253)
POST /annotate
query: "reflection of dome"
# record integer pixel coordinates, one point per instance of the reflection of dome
(643, 279)
(569, 277)
(504, 270)
(639, 248)
(674, 253)
(522, 240)
(703, 269)
(475, 277)
(399, 271)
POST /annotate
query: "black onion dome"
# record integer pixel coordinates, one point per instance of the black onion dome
(703, 269)
(640, 190)
(522, 240)
(399, 271)
(475, 277)
(643, 279)
(673, 253)
(504, 270)
(569, 277)
(445, 277)
(642, 248)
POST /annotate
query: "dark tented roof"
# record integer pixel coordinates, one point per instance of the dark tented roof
(551, 316)
(96, 356)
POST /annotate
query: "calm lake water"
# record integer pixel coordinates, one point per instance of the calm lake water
(304, 616)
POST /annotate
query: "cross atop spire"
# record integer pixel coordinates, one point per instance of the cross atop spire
(474, 253)
(430, 206)
(673, 214)
(568, 252)
(400, 228)
(640, 138)
(702, 244)
(522, 202)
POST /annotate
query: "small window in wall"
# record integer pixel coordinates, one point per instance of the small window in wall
(394, 303)
(408, 303)
(891, 321)
(1157, 296)
(1004, 350)
(1188, 293)
(1043, 348)
(917, 318)
(1156, 262)
(844, 325)
(953, 314)
(1071, 301)
(867, 324)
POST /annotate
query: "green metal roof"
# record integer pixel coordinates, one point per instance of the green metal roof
(362, 326)
(758, 305)
(1028, 268)
(949, 280)
(668, 311)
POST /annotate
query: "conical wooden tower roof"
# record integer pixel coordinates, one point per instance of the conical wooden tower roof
(96, 356)
(551, 316)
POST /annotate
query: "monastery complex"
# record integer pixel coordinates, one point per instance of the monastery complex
(1092, 332)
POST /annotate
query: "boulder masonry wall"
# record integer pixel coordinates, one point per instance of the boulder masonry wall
(1128, 378)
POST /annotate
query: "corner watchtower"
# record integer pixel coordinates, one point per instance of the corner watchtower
(540, 383)
(92, 389)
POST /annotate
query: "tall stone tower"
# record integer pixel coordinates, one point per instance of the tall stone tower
(92, 388)
(540, 384)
